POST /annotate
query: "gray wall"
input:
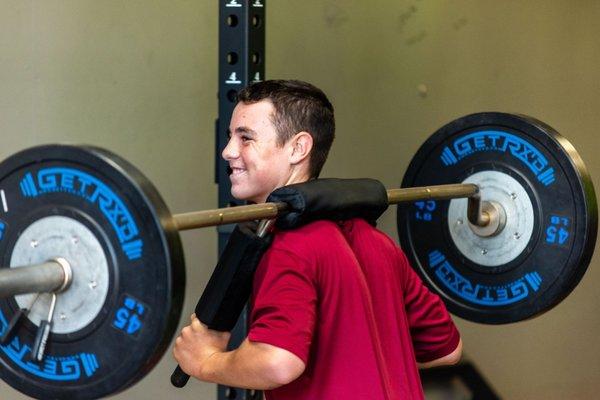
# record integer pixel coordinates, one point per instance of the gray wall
(138, 77)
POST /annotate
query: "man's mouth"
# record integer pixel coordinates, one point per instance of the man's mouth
(235, 171)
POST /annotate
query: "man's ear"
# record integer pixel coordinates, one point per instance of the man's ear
(302, 144)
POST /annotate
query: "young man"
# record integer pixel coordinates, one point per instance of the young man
(336, 312)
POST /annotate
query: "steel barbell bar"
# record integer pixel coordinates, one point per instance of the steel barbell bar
(228, 215)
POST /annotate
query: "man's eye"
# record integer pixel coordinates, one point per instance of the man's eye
(246, 138)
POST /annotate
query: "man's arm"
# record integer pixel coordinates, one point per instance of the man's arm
(449, 359)
(201, 353)
(253, 365)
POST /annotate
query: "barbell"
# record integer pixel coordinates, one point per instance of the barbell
(499, 218)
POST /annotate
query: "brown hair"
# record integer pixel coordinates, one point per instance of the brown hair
(299, 106)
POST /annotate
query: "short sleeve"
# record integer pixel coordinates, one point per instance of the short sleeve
(432, 330)
(284, 303)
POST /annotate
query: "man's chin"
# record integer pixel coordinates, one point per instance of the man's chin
(241, 196)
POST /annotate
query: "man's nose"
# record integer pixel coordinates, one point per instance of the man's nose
(230, 151)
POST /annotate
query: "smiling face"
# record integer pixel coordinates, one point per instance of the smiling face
(259, 164)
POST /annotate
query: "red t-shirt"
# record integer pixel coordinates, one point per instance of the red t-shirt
(344, 300)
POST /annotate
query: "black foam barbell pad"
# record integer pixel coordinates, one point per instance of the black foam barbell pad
(330, 198)
(230, 284)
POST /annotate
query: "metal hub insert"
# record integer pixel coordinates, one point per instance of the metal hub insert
(510, 241)
(57, 237)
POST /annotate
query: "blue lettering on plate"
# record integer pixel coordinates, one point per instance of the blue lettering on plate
(63, 368)
(129, 317)
(78, 183)
(510, 293)
(558, 230)
(424, 210)
(502, 142)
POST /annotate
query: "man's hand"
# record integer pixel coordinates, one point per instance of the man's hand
(196, 345)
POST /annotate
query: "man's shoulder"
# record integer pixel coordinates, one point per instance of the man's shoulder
(362, 236)
(360, 227)
(313, 231)
(310, 237)
(330, 230)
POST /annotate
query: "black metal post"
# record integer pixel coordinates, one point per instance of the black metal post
(241, 62)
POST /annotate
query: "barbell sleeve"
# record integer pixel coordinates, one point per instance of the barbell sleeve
(50, 276)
